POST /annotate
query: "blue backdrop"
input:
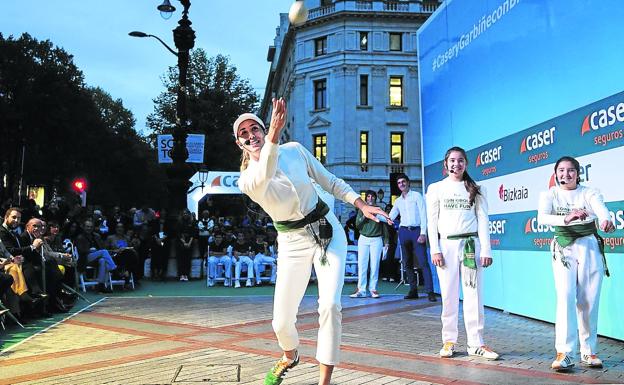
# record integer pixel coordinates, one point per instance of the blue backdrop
(519, 83)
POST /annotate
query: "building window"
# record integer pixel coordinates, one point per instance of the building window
(320, 94)
(396, 41)
(396, 147)
(325, 3)
(396, 91)
(363, 90)
(364, 150)
(320, 147)
(364, 41)
(320, 46)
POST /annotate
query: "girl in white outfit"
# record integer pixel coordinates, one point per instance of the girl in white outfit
(459, 238)
(578, 261)
(279, 179)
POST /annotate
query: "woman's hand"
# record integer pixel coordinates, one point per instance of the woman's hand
(371, 212)
(607, 226)
(437, 259)
(278, 120)
(575, 214)
(486, 261)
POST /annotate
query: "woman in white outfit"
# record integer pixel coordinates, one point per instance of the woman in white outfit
(278, 178)
(457, 221)
(578, 261)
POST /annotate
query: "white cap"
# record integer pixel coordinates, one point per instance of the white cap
(242, 118)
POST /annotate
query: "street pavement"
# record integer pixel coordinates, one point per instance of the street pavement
(229, 340)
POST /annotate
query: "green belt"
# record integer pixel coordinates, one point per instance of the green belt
(469, 262)
(566, 235)
(319, 212)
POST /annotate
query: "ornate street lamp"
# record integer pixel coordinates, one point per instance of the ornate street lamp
(179, 172)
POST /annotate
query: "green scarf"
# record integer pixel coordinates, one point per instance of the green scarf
(567, 235)
(469, 262)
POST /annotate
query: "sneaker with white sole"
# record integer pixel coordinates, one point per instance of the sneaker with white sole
(482, 351)
(236, 284)
(211, 282)
(275, 376)
(591, 360)
(227, 282)
(448, 350)
(358, 294)
(562, 362)
(374, 294)
(249, 283)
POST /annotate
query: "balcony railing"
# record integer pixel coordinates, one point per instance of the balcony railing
(426, 7)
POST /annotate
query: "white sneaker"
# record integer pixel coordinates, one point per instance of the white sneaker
(236, 284)
(181, 278)
(358, 294)
(562, 362)
(211, 282)
(249, 283)
(591, 360)
(483, 351)
(227, 282)
(448, 350)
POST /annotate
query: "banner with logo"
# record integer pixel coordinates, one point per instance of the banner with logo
(194, 146)
(512, 82)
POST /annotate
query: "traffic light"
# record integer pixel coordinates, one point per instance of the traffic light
(79, 185)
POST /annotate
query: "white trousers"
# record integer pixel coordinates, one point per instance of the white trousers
(297, 253)
(369, 249)
(260, 261)
(449, 278)
(238, 266)
(578, 296)
(213, 262)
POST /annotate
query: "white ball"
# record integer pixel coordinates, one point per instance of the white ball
(298, 13)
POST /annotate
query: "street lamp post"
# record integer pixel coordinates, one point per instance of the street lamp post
(179, 172)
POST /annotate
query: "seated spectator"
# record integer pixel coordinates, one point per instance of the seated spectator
(205, 225)
(243, 255)
(123, 252)
(263, 257)
(219, 250)
(91, 250)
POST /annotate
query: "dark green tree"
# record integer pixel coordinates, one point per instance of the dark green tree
(66, 128)
(217, 95)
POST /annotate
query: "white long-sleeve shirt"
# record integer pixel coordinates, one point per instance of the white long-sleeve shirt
(280, 181)
(412, 211)
(556, 203)
(449, 213)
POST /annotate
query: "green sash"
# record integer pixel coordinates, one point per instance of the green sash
(469, 262)
(319, 212)
(567, 235)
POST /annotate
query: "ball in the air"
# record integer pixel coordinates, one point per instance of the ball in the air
(298, 13)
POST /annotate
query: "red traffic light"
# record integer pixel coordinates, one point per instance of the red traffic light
(79, 185)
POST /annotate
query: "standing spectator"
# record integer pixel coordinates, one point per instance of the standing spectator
(205, 225)
(413, 236)
(185, 244)
(389, 269)
(460, 241)
(143, 216)
(578, 261)
(373, 237)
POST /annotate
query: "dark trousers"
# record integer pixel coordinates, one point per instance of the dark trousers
(414, 255)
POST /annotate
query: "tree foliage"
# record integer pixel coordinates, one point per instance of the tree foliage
(216, 96)
(68, 129)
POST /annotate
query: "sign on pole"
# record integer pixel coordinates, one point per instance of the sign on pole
(194, 146)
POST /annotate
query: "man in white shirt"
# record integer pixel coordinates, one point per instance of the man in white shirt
(413, 236)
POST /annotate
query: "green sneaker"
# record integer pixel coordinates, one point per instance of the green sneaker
(275, 376)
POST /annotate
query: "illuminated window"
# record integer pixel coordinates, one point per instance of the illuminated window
(364, 41)
(320, 147)
(320, 94)
(396, 41)
(320, 46)
(363, 90)
(396, 91)
(364, 150)
(396, 147)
